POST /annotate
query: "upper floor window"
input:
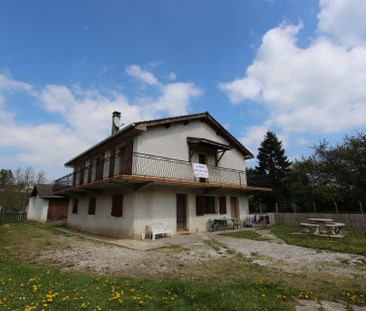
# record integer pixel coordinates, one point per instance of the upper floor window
(92, 205)
(100, 166)
(117, 205)
(82, 173)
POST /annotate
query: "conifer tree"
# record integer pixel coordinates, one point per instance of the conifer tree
(273, 165)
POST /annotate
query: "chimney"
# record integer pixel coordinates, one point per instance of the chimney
(116, 121)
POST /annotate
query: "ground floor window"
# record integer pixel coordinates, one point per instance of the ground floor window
(222, 205)
(75, 206)
(92, 205)
(205, 205)
(117, 205)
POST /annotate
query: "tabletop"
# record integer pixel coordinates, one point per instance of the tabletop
(320, 219)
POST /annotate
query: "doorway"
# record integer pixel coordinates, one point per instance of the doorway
(202, 159)
(234, 208)
(181, 211)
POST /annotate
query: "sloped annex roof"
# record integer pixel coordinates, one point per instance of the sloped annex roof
(138, 127)
(44, 191)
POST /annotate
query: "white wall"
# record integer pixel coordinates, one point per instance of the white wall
(154, 204)
(172, 142)
(158, 204)
(37, 209)
(103, 222)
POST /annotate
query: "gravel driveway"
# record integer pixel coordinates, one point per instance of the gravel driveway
(296, 259)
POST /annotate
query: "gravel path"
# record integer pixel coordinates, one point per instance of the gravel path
(296, 259)
(103, 258)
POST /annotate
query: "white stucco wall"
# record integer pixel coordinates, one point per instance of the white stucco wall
(37, 209)
(103, 222)
(154, 204)
(158, 204)
(172, 142)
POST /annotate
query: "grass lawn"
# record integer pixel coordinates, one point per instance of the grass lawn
(247, 234)
(236, 284)
(354, 241)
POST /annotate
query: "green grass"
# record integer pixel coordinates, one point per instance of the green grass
(234, 284)
(22, 286)
(247, 234)
(354, 241)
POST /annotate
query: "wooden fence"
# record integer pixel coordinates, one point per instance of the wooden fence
(12, 217)
(352, 221)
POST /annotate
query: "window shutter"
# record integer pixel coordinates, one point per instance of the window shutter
(222, 201)
(117, 205)
(200, 205)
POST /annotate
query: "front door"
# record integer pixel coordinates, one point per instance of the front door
(181, 211)
(234, 208)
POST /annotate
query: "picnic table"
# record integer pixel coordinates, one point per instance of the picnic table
(322, 226)
(222, 223)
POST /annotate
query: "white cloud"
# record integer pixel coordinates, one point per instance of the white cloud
(85, 119)
(144, 76)
(319, 88)
(172, 76)
(253, 135)
(7, 84)
(302, 141)
(344, 20)
(175, 97)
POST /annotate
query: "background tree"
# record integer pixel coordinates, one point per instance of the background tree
(271, 171)
(16, 186)
(273, 166)
(331, 174)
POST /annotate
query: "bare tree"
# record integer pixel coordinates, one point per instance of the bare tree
(16, 190)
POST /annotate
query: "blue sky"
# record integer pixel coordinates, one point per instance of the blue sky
(296, 67)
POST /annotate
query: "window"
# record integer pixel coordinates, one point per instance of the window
(222, 205)
(75, 205)
(205, 205)
(100, 167)
(92, 206)
(82, 173)
(117, 205)
(202, 159)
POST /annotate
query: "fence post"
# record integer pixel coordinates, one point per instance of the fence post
(276, 207)
(260, 208)
(314, 208)
(361, 207)
(336, 206)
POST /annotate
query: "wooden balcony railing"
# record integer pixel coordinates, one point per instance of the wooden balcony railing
(146, 165)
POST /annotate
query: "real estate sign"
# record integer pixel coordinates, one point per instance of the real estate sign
(200, 170)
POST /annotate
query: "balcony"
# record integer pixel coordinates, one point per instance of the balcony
(150, 167)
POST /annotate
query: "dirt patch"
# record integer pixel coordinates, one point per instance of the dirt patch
(103, 258)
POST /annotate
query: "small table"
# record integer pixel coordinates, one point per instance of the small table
(221, 222)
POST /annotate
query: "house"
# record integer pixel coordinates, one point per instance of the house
(182, 171)
(45, 206)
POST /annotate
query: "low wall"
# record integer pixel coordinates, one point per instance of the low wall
(353, 221)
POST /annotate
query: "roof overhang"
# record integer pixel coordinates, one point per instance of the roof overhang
(208, 143)
(121, 136)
